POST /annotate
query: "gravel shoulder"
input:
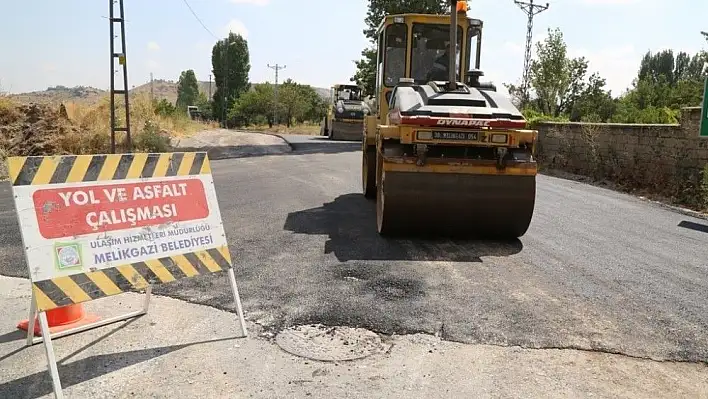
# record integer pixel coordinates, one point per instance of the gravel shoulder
(147, 357)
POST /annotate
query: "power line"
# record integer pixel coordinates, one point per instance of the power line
(199, 20)
(531, 10)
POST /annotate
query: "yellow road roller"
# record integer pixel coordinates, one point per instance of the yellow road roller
(444, 153)
(345, 116)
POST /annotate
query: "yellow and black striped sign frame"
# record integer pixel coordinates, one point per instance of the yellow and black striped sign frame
(62, 169)
(83, 287)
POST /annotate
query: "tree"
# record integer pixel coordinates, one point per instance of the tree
(365, 75)
(254, 105)
(292, 105)
(664, 84)
(296, 103)
(594, 103)
(556, 79)
(668, 81)
(187, 90)
(378, 9)
(205, 106)
(230, 62)
(316, 105)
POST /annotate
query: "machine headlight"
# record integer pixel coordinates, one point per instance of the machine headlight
(340, 110)
(425, 135)
(499, 138)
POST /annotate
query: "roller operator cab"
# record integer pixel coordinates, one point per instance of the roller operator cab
(440, 157)
(345, 115)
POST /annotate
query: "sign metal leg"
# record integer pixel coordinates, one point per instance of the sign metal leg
(237, 298)
(32, 315)
(146, 304)
(51, 360)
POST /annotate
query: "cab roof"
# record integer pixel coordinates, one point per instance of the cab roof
(432, 18)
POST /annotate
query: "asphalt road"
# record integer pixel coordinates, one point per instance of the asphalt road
(598, 270)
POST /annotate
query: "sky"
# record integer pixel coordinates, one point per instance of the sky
(49, 42)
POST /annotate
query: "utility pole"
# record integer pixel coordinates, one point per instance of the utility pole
(122, 61)
(531, 10)
(277, 68)
(152, 89)
(209, 87)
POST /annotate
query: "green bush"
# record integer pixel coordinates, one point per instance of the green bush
(533, 117)
(150, 138)
(164, 108)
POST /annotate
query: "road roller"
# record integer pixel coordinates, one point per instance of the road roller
(345, 115)
(443, 153)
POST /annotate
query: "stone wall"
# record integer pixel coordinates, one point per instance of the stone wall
(668, 160)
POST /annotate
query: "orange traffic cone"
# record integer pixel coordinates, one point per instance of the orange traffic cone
(60, 319)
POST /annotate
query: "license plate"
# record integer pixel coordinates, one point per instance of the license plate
(455, 135)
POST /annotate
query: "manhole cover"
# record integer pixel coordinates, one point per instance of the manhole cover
(318, 342)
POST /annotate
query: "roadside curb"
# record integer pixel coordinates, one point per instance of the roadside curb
(271, 134)
(236, 151)
(561, 174)
(678, 209)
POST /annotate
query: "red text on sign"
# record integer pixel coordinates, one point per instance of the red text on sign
(71, 211)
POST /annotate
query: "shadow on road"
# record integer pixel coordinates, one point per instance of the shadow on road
(350, 223)
(327, 139)
(14, 335)
(13, 256)
(324, 147)
(694, 226)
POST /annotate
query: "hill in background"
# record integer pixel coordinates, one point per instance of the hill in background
(166, 89)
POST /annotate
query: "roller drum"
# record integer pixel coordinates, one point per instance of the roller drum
(451, 204)
(346, 130)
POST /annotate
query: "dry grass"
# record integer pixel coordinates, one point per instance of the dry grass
(307, 129)
(8, 111)
(40, 129)
(93, 120)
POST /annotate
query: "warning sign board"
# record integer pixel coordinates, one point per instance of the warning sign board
(99, 225)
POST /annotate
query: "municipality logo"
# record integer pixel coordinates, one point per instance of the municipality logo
(67, 255)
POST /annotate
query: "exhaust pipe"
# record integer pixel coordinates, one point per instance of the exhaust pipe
(452, 65)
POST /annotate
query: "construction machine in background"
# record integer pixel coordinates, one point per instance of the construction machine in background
(345, 115)
(444, 153)
(193, 112)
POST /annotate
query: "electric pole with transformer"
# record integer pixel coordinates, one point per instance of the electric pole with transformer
(120, 55)
(531, 10)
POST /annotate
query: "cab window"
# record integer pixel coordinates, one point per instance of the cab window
(395, 53)
(429, 57)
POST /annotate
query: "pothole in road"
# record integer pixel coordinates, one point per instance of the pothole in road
(330, 344)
